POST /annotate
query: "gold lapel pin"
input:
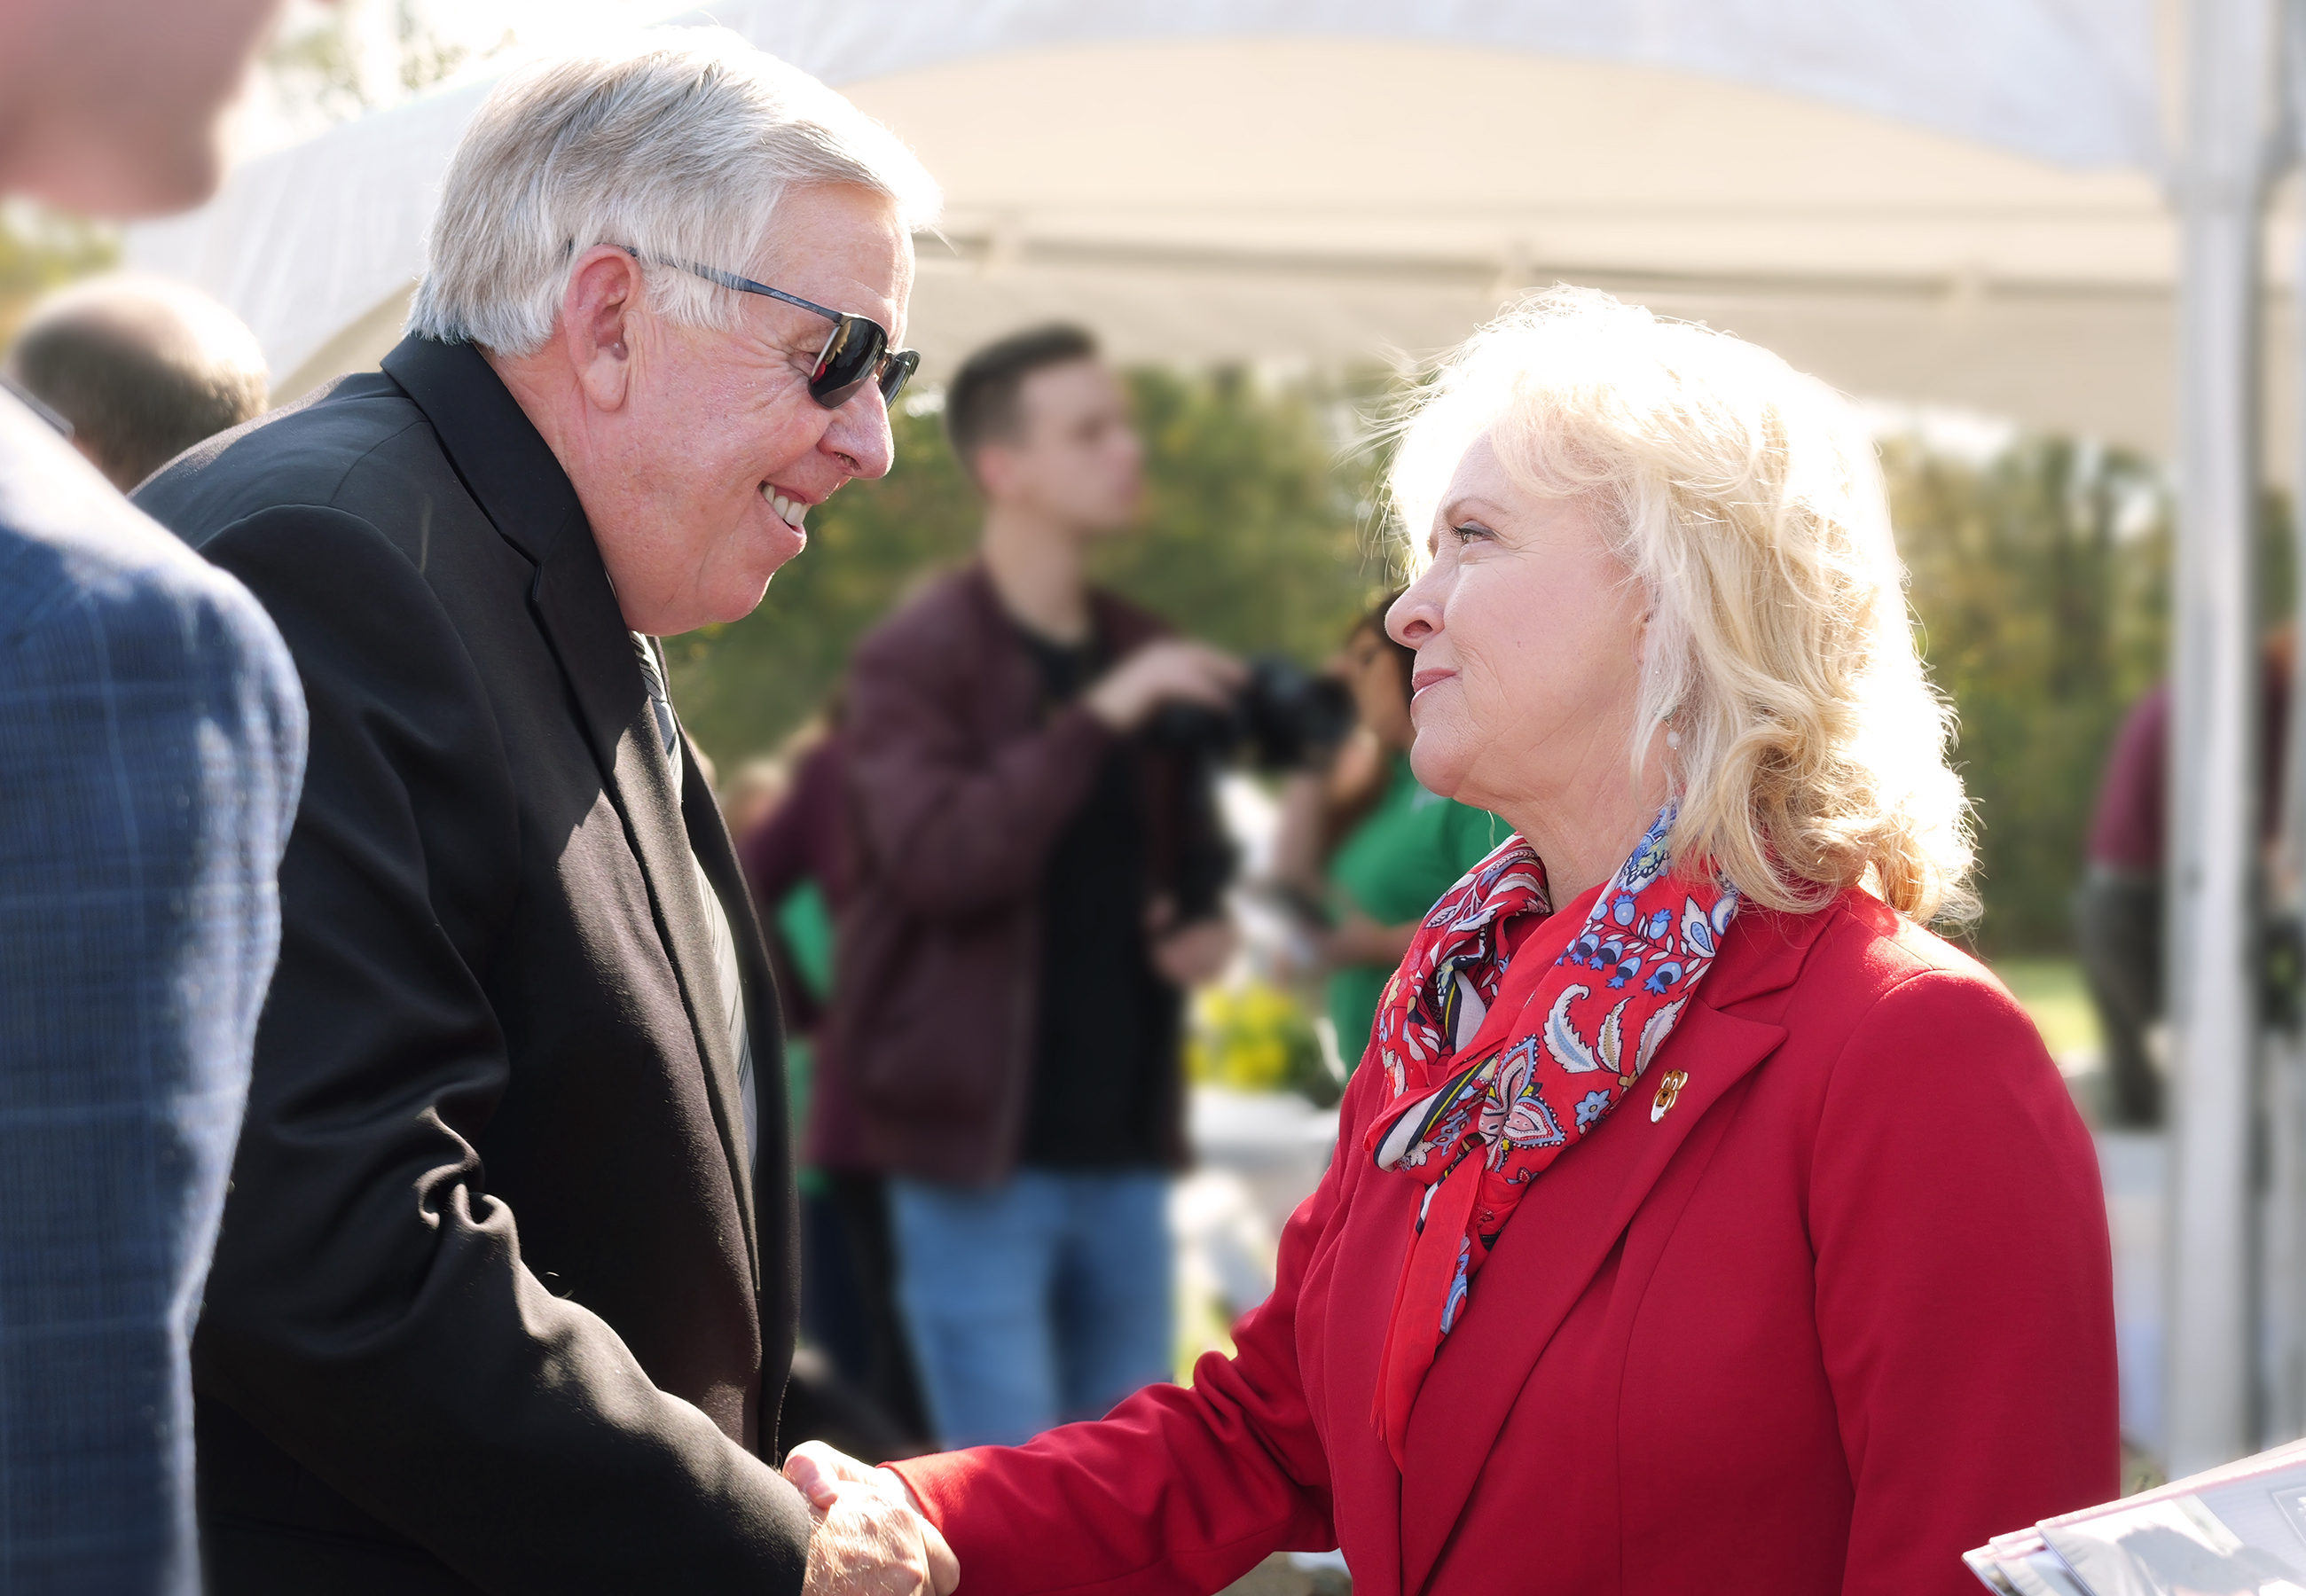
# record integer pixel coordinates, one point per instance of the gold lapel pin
(1668, 1090)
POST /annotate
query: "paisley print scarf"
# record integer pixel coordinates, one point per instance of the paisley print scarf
(1498, 1060)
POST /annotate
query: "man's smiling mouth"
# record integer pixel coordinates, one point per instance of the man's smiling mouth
(790, 510)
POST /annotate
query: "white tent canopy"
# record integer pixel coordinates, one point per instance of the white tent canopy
(1957, 204)
(2055, 78)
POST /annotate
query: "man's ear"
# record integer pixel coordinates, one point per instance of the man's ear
(994, 467)
(597, 313)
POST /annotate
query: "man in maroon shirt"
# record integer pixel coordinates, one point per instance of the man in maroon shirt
(2119, 911)
(1037, 880)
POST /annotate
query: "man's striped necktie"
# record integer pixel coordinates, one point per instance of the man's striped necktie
(729, 974)
(660, 702)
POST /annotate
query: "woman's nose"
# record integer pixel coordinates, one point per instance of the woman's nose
(1413, 619)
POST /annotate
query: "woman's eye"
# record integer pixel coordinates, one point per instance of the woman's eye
(1468, 532)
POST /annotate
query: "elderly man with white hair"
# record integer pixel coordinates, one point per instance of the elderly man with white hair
(505, 1299)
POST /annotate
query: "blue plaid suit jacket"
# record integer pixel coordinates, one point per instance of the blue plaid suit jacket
(151, 748)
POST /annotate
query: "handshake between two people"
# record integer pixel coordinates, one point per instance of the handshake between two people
(869, 1536)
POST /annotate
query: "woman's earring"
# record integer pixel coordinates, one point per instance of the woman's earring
(1672, 737)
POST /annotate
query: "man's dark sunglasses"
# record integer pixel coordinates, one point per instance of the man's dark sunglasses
(857, 353)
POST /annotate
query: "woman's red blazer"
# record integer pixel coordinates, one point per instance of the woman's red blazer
(1841, 1312)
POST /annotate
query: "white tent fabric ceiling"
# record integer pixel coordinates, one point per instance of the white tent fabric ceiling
(2066, 80)
(1955, 204)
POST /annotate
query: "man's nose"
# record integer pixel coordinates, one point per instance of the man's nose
(860, 434)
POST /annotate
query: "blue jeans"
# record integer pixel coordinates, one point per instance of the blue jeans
(1035, 1302)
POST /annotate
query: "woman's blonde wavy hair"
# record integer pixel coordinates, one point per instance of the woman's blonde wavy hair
(1746, 500)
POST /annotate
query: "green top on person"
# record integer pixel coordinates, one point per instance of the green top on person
(1390, 868)
(1374, 847)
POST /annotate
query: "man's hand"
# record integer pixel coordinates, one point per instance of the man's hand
(1173, 670)
(871, 1538)
(867, 1543)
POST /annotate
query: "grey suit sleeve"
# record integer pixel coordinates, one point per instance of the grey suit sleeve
(152, 738)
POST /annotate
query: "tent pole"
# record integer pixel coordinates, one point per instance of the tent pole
(2213, 1018)
(2284, 1106)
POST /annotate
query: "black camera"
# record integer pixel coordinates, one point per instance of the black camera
(1282, 716)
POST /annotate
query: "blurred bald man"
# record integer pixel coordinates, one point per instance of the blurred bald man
(153, 736)
(141, 368)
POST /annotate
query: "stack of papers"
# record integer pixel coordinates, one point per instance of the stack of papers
(2237, 1530)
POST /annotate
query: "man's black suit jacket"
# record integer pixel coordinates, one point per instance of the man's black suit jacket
(497, 1304)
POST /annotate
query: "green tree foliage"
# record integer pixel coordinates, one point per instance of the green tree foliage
(2040, 584)
(1254, 537)
(425, 57)
(1260, 536)
(42, 249)
(314, 68)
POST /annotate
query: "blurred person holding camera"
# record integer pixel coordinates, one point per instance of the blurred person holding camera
(1037, 883)
(505, 1299)
(141, 368)
(1364, 844)
(153, 738)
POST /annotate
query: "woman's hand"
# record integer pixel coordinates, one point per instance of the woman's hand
(871, 1533)
(1195, 955)
(1357, 769)
(1345, 779)
(1298, 841)
(1361, 940)
(1192, 955)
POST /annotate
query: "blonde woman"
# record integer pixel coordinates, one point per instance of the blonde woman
(1699, 1221)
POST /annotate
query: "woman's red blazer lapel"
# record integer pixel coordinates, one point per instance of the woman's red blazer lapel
(1568, 1224)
